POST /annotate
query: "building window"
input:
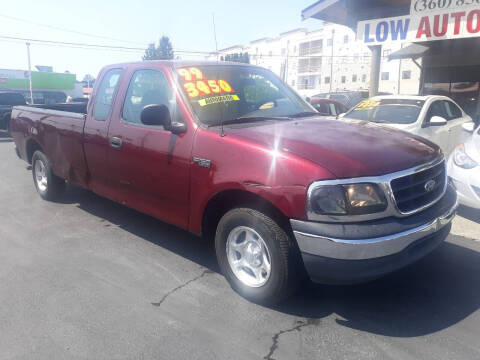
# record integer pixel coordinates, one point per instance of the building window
(345, 39)
(327, 80)
(295, 49)
(316, 47)
(270, 53)
(386, 53)
(354, 78)
(364, 78)
(284, 52)
(293, 82)
(385, 75)
(329, 42)
(407, 74)
(319, 81)
(344, 79)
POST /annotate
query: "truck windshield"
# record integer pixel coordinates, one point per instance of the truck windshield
(394, 111)
(224, 93)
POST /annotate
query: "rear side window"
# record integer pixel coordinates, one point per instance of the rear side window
(105, 94)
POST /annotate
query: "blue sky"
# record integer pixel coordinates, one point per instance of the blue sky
(187, 23)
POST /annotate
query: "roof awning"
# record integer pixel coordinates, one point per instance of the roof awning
(349, 12)
(413, 51)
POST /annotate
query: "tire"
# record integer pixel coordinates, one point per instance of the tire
(49, 186)
(233, 244)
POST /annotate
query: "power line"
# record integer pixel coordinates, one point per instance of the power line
(181, 51)
(66, 30)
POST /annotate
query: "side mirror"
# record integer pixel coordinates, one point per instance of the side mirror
(159, 115)
(156, 115)
(307, 99)
(437, 121)
(469, 127)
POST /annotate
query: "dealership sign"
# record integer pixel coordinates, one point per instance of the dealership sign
(429, 20)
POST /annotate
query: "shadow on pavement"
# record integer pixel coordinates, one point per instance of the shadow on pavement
(181, 242)
(433, 294)
(469, 213)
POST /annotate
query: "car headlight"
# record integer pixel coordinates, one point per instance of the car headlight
(461, 158)
(349, 199)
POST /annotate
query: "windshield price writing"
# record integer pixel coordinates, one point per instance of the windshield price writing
(195, 83)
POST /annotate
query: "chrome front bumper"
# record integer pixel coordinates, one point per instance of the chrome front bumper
(368, 248)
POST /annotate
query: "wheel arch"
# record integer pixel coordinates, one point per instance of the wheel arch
(226, 200)
(31, 146)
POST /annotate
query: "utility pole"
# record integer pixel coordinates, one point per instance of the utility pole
(399, 72)
(30, 73)
(375, 69)
(331, 62)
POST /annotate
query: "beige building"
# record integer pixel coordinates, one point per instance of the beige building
(328, 59)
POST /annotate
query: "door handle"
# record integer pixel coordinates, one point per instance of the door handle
(115, 142)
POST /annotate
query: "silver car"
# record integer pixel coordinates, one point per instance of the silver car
(464, 168)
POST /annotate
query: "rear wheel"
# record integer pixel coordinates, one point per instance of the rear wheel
(48, 185)
(256, 256)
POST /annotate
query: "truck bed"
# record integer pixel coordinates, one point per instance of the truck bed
(78, 108)
(59, 128)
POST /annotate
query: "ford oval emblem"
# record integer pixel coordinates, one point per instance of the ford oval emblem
(430, 185)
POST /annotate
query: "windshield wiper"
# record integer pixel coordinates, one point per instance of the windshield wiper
(304, 114)
(247, 119)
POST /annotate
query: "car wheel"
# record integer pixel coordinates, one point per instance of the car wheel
(48, 185)
(256, 256)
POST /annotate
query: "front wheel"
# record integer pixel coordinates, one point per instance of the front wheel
(48, 185)
(256, 256)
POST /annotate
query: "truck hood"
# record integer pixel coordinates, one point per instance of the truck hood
(347, 148)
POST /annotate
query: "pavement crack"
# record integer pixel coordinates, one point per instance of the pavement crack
(205, 272)
(298, 327)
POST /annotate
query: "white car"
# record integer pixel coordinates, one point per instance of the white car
(436, 118)
(464, 169)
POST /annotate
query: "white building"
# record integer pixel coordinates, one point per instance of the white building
(328, 59)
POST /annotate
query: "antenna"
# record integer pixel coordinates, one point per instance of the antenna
(215, 35)
(222, 132)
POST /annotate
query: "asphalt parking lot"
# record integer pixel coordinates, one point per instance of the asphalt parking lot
(86, 278)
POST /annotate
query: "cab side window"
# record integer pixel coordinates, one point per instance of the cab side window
(105, 94)
(147, 87)
(322, 108)
(437, 108)
(452, 110)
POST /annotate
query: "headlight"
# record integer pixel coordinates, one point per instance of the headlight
(461, 158)
(352, 199)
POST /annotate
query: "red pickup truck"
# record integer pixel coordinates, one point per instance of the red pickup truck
(230, 152)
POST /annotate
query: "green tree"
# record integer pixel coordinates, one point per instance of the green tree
(164, 50)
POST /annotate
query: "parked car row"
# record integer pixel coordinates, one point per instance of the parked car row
(436, 118)
(7, 101)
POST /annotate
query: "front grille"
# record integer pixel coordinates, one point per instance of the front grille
(412, 192)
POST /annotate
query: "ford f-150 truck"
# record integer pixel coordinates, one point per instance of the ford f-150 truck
(230, 152)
